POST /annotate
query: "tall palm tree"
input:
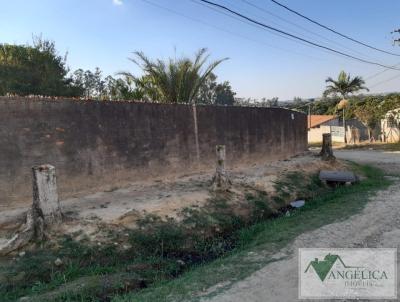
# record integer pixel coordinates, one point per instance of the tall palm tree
(344, 85)
(174, 80)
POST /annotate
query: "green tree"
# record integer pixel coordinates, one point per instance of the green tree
(174, 80)
(214, 93)
(224, 95)
(344, 85)
(37, 69)
(206, 94)
(90, 83)
(122, 89)
(367, 113)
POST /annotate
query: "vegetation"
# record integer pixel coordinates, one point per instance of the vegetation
(344, 85)
(140, 266)
(174, 80)
(41, 70)
(213, 93)
(37, 69)
(369, 109)
(265, 238)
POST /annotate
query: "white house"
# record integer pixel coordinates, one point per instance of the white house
(320, 124)
(390, 126)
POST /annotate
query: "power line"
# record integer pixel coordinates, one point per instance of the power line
(301, 27)
(227, 31)
(380, 72)
(294, 36)
(334, 31)
(245, 21)
(260, 27)
(385, 81)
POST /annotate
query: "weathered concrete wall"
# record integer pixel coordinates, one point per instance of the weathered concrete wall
(101, 145)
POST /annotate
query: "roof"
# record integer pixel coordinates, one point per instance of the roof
(319, 119)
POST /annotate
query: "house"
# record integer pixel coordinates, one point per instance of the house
(390, 126)
(320, 124)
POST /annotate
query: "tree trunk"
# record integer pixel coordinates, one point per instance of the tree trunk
(220, 180)
(196, 133)
(45, 210)
(326, 151)
(46, 206)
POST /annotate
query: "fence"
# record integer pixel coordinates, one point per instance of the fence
(100, 145)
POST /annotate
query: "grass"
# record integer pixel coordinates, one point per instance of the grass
(374, 146)
(265, 238)
(170, 260)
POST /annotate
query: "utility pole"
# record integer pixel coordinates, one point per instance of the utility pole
(396, 40)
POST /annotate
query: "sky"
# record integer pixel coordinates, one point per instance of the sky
(104, 33)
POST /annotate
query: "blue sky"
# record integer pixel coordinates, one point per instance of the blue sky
(103, 33)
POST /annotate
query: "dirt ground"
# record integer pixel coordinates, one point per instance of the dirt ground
(122, 207)
(378, 225)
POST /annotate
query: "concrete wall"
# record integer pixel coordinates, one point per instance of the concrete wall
(101, 145)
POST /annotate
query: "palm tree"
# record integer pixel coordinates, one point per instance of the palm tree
(174, 80)
(344, 85)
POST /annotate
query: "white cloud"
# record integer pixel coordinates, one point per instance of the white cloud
(117, 2)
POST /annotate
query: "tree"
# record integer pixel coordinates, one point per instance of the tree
(90, 83)
(207, 93)
(273, 102)
(37, 69)
(174, 80)
(366, 112)
(344, 85)
(224, 95)
(122, 89)
(215, 93)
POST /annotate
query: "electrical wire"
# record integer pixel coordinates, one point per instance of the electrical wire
(228, 31)
(380, 72)
(385, 81)
(334, 31)
(294, 36)
(304, 29)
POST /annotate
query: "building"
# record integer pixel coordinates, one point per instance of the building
(320, 124)
(390, 126)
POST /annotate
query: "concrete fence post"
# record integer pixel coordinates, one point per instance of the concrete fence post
(46, 204)
(220, 179)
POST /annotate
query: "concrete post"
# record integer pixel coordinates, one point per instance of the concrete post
(220, 179)
(45, 197)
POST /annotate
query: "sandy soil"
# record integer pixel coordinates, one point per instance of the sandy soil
(122, 207)
(378, 225)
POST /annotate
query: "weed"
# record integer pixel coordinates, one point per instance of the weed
(164, 248)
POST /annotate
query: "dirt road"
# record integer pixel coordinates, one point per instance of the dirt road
(378, 225)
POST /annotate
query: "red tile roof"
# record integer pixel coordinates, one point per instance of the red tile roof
(319, 119)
